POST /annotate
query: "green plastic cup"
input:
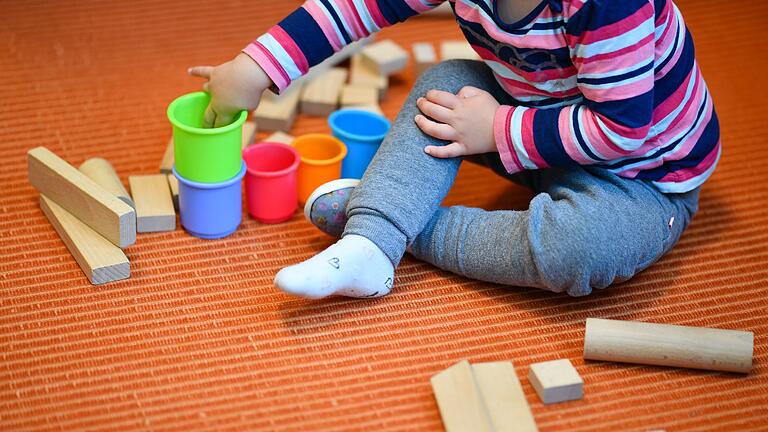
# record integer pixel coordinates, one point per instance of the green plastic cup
(204, 155)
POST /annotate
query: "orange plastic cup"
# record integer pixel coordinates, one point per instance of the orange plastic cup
(321, 156)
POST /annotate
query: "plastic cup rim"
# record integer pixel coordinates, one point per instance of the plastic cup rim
(239, 120)
(321, 162)
(344, 134)
(265, 174)
(218, 185)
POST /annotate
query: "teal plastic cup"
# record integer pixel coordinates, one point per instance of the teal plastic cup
(204, 155)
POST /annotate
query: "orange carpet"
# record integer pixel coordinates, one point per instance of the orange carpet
(198, 339)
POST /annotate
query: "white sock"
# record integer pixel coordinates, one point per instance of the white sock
(353, 266)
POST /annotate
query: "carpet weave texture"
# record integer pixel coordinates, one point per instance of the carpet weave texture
(199, 339)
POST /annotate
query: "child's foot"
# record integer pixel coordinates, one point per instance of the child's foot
(326, 208)
(353, 266)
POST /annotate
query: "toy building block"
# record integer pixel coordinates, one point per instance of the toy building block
(280, 137)
(459, 400)
(668, 345)
(450, 50)
(386, 57)
(358, 95)
(556, 381)
(100, 260)
(321, 95)
(249, 132)
(277, 113)
(154, 205)
(173, 184)
(103, 174)
(503, 397)
(424, 56)
(374, 108)
(362, 74)
(80, 196)
(166, 165)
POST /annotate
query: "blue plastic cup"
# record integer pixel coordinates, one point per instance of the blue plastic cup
(211, 210)
(362, 132)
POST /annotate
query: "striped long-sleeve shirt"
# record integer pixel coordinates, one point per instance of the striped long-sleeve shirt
(604, 82)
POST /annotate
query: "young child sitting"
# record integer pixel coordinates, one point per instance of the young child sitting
(598, 106)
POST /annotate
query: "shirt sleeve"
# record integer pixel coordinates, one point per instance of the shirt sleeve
(318, 28)
(611, 45)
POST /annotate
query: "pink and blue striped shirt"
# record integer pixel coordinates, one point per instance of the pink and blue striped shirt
(595, 82)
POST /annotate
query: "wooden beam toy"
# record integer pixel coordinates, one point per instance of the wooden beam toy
(321, 95)
(358, 95)
(280, 137)
(374, 108)
(80, 196)
(173, 184)
(503, 397)
(457, 50)
(166, 165)
(103, 174)
(249, 132)
(668, 345)
(386, 57)
(424, 57)
(362, 74)
(556, 381)
(459, 400)
(154, 205)
(277, 113)
(100, 260)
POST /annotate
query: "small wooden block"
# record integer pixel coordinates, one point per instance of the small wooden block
(173, 184)
(386, 57)
(321, 95)
(358, 95)
(280, 137)
(450, 50)
(103, 174)
(80, 196)
(100, 260)
(424, 56)
(278, 112)
(362, 74)
(459, 400)
(374, 108)
(249, 132)
(556, 381)
(503, 397)
(154, 205)
(166, 165)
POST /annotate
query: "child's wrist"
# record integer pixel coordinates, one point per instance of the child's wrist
(256, 73)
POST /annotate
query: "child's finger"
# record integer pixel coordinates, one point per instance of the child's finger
(223, 119)
(209, 118)
(468, 92)
(448, 100)
(201, 71)
(451, 150)
(437, 112)
(205, 86)
(434, 129)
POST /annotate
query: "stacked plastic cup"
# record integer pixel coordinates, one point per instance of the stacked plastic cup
(362, 132)
(209, 166)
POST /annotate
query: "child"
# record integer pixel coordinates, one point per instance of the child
(598, 106)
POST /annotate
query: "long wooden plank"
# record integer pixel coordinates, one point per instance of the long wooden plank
(154, 204)
(503, 397)
(79, 195)
(103, 174)
(321, 95)
(100, 260)
(459, 400)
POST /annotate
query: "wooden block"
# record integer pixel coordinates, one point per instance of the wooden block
(358, 95)
(450, 50)
(79, 195)
(280, 137)
(424, 56)
(100, 260)
(173, 184)
(154, 205)
(103, 174)
(321, 95)
(363, 74)
(668, 345)
(386, 57)
(277, 113)
(459, 400)
(503, 397)
(249, 132)
(374, 108)
(166, 165)
(556, 381)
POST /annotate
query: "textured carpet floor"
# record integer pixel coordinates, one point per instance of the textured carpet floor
(198, 339)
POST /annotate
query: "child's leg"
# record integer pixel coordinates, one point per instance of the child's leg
(587, 228)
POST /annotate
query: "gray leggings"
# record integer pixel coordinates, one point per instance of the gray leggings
(585, 228)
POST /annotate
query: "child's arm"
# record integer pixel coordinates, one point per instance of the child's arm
(303, 39)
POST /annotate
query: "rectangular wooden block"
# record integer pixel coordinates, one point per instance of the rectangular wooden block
(80, 196)
(166, 165)
(386, 57)
(100, 260)
(363, 74)
(321, 95)
(503, 397)
(424, 56)
(374, 108)
(459, 400)
(277, 113)
(556, 381)
(280, 137)
(173, 184)
(249, 132)
(461, 50)
(154, 205)
(358, 95)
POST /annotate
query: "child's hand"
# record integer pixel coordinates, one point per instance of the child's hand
(465, 119)
(234, 86)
